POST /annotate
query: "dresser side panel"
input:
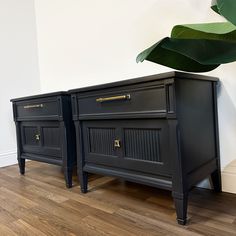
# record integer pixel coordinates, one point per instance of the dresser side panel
(196, 118)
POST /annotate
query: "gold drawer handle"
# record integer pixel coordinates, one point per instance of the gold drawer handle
(117, 143)
(114, 98)
(33, 106)
(37, 137)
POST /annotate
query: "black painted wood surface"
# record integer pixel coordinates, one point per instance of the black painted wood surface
(165, 135)
(45, 131)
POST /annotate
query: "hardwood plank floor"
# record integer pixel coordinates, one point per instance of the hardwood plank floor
(40, 204)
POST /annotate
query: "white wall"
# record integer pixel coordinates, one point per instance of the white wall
(19, 73)
(85, 42)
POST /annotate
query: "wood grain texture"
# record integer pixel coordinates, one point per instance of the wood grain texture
(40, 204)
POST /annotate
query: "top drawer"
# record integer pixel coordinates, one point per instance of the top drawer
(122, 102)
(36, 109)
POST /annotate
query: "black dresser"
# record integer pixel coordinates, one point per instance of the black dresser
(159, 130)
(45, 131)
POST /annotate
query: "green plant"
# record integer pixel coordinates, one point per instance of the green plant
(198, 47)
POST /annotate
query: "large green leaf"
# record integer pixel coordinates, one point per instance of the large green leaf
(204, 51)
(216, 31)
(196, 55)
(162, 54)
(198, 47)
(226, 8)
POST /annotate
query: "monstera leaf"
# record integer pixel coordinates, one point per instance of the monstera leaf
(197, 47)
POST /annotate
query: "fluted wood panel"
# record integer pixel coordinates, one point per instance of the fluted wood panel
(142, 144)
(51, 136)
(29, 133)
(101, 140)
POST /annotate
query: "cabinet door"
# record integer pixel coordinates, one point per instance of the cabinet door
(99, 138)
(51, 139)
(145, 145)
(139, 145)
(30, 137)
(42, 138)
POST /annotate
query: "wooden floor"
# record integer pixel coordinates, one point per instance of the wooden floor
(39, 204)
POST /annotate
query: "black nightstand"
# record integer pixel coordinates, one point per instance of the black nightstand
(45, 131)
(159, 130)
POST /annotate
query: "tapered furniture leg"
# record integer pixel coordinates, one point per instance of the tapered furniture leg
(68, 177)
(82, 175)
(181, 204)
(83, 179)
(216, 181)
(21, 163)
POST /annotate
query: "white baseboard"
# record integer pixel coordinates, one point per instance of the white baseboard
(8, 158)
(229, 178)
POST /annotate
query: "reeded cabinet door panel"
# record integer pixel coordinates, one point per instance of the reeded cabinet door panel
(130, 144)
(51, 139)
(142, 144)
(145, 145)
(99, 138)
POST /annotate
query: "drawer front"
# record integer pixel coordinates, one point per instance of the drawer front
(38, 108)
(41, 138)
(128, 144)
(141, 101)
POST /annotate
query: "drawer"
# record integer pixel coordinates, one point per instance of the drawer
(141, 101)
(37, 109)
(41, 138)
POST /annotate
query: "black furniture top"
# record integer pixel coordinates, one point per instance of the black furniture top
(159, 130)
(36, 96)
(45, 131)
(150, 78)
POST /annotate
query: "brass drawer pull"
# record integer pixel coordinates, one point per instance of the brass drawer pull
(33, 106)
(37, 137)
(117, 143)
(114, 98)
